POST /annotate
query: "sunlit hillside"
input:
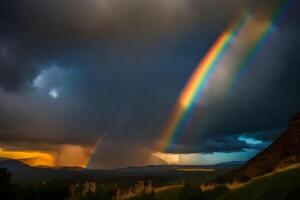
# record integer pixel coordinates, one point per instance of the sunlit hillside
(284, 185)
(280, 185)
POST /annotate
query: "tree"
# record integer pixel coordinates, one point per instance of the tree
(7, 190)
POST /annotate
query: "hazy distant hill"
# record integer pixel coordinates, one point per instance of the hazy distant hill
(13, 165)
(166, 173)
(281, 153)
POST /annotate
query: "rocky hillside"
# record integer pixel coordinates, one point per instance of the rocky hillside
(282, 152)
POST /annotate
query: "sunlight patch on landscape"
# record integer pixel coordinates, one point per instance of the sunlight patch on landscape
(280, 169)
(168, 187)
(237, 185)
(196, 170)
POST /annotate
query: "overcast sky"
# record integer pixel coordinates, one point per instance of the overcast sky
(109, 72)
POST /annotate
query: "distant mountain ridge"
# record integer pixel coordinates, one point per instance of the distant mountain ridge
(22, 172)
(13, 165)
(282, 152)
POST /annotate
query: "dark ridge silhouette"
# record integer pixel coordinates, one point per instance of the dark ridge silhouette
(22, 173)
(281, 153)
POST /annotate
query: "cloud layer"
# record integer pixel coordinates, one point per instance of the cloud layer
(120, 66)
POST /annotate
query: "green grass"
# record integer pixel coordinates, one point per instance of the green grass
(283, 185)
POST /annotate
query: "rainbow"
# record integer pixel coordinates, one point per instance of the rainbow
(261, 39)
(191, 94)
(95, 148)
(196, 84)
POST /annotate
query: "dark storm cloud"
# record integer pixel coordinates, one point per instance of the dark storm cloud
(265, 136)
(213, 144)
(16, 67)
(35, 31)
(263, 100)
(122, 64)
(99, 18)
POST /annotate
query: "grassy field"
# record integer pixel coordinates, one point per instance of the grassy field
(281, 185)
(284, 185)
(150, 183)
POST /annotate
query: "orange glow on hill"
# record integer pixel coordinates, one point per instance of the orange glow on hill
(32, 158)
(60, 156)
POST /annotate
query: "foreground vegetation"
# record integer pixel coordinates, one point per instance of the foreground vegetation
(284, 185)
